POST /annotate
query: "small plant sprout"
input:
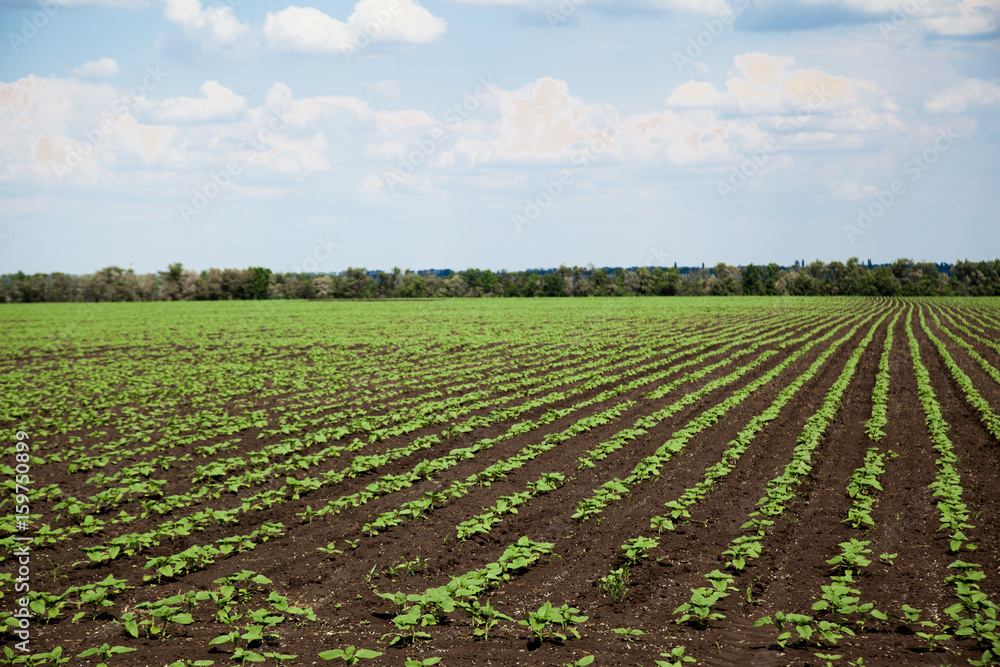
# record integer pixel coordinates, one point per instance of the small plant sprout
(53, 657)
(635, 549)
(540, 622)
(614, 584)
(582, 662)
(350, 655)
(629, 634)
(676, 658)
(417, 662)
(105, 651)
(888, 559)
(912, 614)
(330, 549)
(829, 657)
(483, 616)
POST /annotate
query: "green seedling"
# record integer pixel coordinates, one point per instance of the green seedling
(483, 616)
(614, 585)
(934, 636)
(698, 611)
(350, 655)
(280, 657)
(330, 549)
(675, 658)
(852, 556)
(53, 657)
(408, 626)
(540, 622)
(635, 549)
(105, 651)
(628, 634)
(582, 662)
(416, 662)
(801, 623)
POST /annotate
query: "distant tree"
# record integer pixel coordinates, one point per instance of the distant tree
(553, 285)
(237, 283)
(113, 283)
(170, 282)
(412, 285)
(724, 280)
(324, 286)
(603, 285)
(879, 281)
(258, 283)
(209, 285)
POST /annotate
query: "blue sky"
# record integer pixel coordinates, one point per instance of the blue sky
(496, 133)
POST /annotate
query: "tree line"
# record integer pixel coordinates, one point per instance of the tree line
(903, 277)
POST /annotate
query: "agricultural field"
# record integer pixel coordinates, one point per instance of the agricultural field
(710, 481)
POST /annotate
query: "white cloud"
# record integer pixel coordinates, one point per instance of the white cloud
(119, 4)
(703, 7)
(213, 28)
(963, 95)
(962, 19)
(48, 123)
(851, 190)
(102, 67)
(217, 103)
(407, 21)
(696, 94)
(309, 30)
(542, 120)
(305, 29)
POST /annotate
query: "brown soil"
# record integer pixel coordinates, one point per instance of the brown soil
(341, 589)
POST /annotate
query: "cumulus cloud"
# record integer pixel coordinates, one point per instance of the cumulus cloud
(309, 30)
(217, 103)
(765, 84)
(696, 94)
(119, 4)
(214, 28)
(705, 7)
(963, 96)
(542, 120)
(49, 124)
(967, 18)
(102, 67)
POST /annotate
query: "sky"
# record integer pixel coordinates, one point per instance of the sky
(499, 134)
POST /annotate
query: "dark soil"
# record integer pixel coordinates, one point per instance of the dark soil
(341, 589)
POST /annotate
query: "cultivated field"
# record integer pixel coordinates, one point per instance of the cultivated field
(503, 482)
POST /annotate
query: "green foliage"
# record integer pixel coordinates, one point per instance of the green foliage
(553, 623)
(350, 655)
(614, 585)
(676, 658)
